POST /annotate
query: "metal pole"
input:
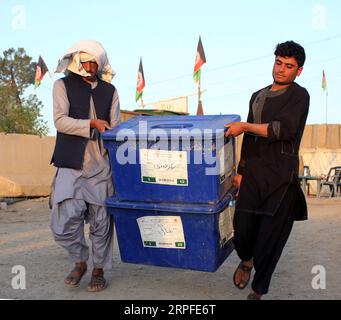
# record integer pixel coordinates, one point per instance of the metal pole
(326, 107)
(199, 91)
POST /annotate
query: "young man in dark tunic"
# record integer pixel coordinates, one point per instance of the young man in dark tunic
(269, 196)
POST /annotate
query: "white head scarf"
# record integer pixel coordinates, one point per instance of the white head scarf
(82, 51)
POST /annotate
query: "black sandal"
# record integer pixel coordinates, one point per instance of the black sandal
(75, 276)
(243, 283)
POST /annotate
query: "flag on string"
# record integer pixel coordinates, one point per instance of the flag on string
(41, 69)
(140, 82)
(324, 82)
(200, 59)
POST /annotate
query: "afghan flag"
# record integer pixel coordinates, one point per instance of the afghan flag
(41, 69)
(140, 82)
(324, 82)
(199, 61)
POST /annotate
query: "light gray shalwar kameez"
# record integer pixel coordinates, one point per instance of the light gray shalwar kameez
(79, 195)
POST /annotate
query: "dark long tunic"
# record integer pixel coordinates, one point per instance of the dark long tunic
(269, 165)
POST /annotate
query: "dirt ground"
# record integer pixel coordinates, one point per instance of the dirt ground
(25, 239)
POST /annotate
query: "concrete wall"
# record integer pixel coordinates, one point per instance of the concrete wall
(25, 168)
(322, 136)
(24, 165)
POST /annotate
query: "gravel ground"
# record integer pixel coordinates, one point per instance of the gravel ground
(25, 240)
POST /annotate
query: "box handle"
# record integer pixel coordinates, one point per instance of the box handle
(172, 126)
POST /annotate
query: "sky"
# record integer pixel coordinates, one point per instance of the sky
(239, 38)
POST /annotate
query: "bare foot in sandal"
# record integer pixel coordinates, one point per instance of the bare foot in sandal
(242, 274)
(97, 282)
(76, 274)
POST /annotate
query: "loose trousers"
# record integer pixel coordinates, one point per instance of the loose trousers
(67, 226)
(263, 238)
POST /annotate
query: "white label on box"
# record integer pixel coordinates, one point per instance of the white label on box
(164, 167)
(226, 225)
(162, 232)
(225, 156)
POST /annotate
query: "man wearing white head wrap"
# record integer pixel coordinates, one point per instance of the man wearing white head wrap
(84, 105)
(71, 59)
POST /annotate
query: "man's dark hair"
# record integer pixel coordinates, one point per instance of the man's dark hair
(291, 49)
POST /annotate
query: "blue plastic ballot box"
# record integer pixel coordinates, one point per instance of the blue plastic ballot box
(178, 159)
(190, 236)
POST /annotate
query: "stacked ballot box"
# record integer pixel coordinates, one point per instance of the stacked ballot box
(196, 237)
(173, 204)
(180, 159)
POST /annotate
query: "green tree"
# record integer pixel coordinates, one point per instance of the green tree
(19, 113)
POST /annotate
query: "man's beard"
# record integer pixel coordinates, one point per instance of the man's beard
(91, 78)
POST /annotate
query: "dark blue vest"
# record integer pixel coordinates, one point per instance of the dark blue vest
(69, 149)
